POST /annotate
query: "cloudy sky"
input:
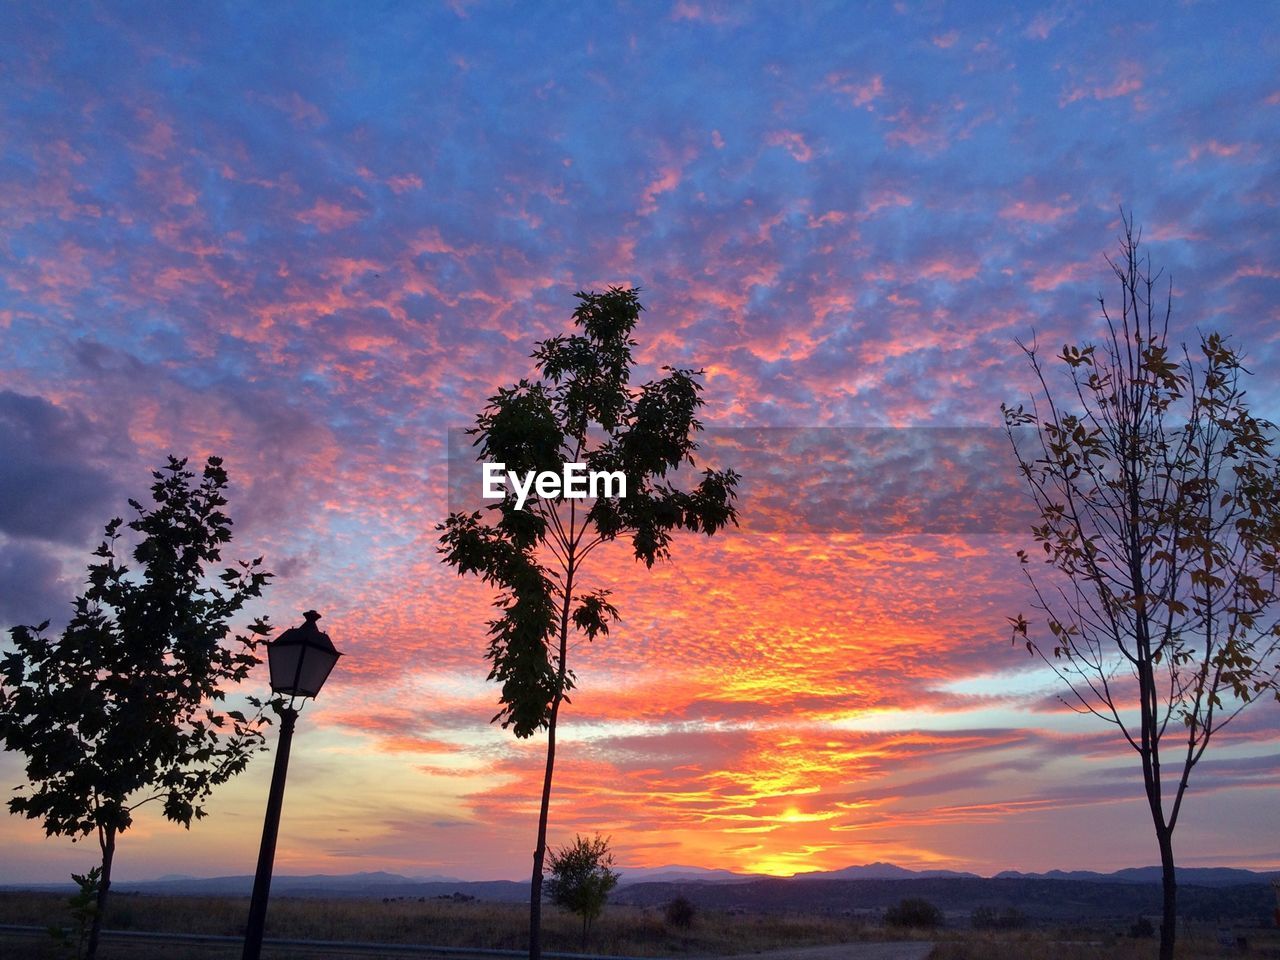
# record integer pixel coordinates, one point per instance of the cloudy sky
(312, 239)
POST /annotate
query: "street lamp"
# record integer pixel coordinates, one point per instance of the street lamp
(300, 660)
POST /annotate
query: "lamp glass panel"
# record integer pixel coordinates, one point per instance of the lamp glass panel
(283, 662)
(315, 670)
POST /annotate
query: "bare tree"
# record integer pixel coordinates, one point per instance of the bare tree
(1159, 516)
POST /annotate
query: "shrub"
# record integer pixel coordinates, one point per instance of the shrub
(680, 913)
(580, 879)
(1011, 918)
(1142, 929)
(984, 918)
(989, 918)
(913, 912)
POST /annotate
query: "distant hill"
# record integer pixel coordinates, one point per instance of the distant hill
(1202, 876)
(1205, 893)
(882, 871)
(682, 874)
(375, 885)
(1199, 876)
(1041, 900)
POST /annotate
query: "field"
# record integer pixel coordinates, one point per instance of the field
(631, 931)
(622, 930)
(1088, 945)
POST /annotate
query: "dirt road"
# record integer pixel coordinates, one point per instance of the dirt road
(901, 950)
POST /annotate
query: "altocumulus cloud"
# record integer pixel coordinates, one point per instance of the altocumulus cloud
(54, 491)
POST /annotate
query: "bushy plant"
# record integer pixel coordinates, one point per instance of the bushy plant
(1142, 929)
(680, 913)
(913, 912)
(989, 918)
(84, 907)
(581, 879)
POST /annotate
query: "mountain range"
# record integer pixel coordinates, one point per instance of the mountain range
(383, 884)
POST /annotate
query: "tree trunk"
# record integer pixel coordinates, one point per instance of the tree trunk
(108, 844)
(1169, 918)
(540, 852)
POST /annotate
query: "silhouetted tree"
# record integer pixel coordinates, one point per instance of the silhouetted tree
(583, 411)
(581, 879)
(1159, 508)
(120, 709)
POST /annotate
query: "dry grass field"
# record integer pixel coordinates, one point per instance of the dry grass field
(1087, 945)
(621, 930)
(627, 931)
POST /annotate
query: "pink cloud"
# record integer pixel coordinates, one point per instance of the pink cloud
(404, 183)
(830, 218)
(918, 131)
(668, 179)
(1257, 270)
(882, 199)
(300, 111)
(945, 41)
(1055, 276)
(1223, 151)
(158, 139)
(713, 13)
(794, 143)
(327, 216)
(1042, 25)
(862, 93)
(1126, 79)
(1037, 211)
(944, 269)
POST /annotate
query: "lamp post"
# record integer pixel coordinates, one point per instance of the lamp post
(300, 660)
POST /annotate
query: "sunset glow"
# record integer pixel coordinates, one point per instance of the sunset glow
(314, 240)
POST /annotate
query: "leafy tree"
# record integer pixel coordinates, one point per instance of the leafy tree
(913, 912)
(584, 410)
(581, 880)
(1159, 516)
(120, 709)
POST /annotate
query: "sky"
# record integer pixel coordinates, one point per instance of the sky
(312, 239)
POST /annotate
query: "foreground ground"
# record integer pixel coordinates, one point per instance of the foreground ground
(622, 931)
(629, 931)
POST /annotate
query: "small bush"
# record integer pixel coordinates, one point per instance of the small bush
(913, 912)
(1011, 918)
(989, 918)
(680, 913)
(1142, 929)
(984, 918)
